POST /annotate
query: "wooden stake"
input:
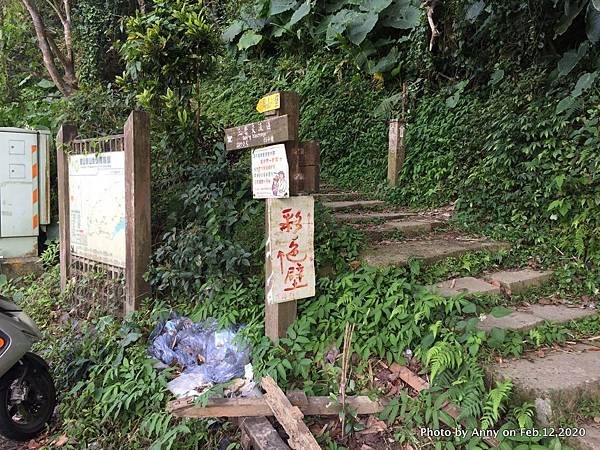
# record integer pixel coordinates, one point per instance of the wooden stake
(137, 208)
(66, 134)
(347, 353)
(279, 316)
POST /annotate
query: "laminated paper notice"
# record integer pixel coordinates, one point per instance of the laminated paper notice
(290, 249)
(270, 172)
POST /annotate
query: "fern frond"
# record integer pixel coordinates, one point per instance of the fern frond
(493, 404)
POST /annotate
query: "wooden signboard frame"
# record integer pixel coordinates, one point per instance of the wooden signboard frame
(135, 142)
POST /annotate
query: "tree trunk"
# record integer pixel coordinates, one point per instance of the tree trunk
(66, 83)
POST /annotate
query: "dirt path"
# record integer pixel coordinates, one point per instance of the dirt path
(12, 445)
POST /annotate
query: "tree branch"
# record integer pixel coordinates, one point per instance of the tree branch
(47, 56)
(430, 9)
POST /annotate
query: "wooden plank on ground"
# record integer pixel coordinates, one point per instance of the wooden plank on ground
(259, 134)
(258, 406)
(259, 434)
(289, 416)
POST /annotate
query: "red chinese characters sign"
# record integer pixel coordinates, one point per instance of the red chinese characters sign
(290, 249)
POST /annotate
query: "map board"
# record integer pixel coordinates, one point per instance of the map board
(290, 249)
(97, 207)
(270, 172)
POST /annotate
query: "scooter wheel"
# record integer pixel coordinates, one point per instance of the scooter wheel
(27, 399)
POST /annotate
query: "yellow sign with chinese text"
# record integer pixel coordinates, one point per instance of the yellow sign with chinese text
(269, 103)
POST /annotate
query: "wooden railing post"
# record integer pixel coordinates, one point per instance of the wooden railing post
(66, 134)
(137, 208)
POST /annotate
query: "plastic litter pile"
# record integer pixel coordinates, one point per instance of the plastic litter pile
(206, 355)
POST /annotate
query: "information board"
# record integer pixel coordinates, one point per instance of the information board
(290, 249)
(270, 172)
(97, 207)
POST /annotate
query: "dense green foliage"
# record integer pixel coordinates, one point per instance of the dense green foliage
(502, 119)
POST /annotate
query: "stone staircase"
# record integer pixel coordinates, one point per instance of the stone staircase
(549, 379)
(398, 235)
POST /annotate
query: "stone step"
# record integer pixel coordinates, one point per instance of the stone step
(591, 440)
(464, 286)
(354, 204)
(407, 228)
(555, 381)
(518, 281)
(535, 315)
(372, 216)
(338, 196)
(425, 250)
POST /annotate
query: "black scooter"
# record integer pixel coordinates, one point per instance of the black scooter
(27, 392)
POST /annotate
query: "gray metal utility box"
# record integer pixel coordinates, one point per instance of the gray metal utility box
(24, 190)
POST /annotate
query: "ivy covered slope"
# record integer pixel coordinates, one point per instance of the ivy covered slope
(501, 112)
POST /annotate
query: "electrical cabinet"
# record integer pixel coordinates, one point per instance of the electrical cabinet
(24, 190)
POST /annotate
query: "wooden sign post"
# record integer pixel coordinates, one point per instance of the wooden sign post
(280, 126)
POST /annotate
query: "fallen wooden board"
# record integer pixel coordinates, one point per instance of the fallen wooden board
(419, 384)
(258, 406)
(290, 417)
(259, 434)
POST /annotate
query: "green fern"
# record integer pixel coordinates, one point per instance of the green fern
(493, 404)
(524, 415)
(443, 356)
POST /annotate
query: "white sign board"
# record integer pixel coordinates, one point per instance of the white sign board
(270, 172)
(97, 207)
(290, 249)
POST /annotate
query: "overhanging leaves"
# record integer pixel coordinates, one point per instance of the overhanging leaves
(570, 59)
(572, 10)
(592, 23)
(249, 39)
(474, 10)
(299, 14)
(375, 6)
(401, 14)
(360, 26)
(232, 31)
(280, 6)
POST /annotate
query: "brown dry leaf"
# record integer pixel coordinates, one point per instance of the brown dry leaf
(597, 419)
(540, 353)
(61, 441)
(373, 423)
(544, 301)
(366, 447)
(453, 284)
(495, 283)
(33, 445)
